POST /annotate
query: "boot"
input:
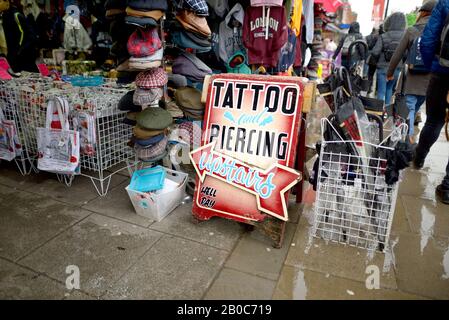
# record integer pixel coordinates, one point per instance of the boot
(442, 193)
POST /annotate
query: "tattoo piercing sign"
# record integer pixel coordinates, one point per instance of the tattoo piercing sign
(248, 147)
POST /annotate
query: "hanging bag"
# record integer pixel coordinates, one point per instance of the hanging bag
(84, 123)
(9, 140)
(58, 149)
(399, 108)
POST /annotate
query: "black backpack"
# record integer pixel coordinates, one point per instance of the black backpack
(389, 49)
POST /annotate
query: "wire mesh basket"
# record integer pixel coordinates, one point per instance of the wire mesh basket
(9, 102)
(112, 135)
(354, 204)
(111, 152)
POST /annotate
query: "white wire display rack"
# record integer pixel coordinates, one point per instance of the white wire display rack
(9, 102)
(112, 153)
(112, 135)
(354, 205)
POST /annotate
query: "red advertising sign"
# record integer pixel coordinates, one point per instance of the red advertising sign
(378, 10)
(249, 141)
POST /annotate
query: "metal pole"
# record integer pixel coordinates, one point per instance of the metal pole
(386, 9)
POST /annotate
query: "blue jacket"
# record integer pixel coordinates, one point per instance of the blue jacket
(431, 37)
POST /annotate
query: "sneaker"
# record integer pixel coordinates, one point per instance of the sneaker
(443, 194)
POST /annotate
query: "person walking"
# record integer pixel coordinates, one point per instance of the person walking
(345, 43)
(437, 92)
(371, 63)
(383, 51)
(416, 79)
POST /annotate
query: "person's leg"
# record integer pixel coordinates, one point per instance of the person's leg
(381, 84)
(411, 104)
(436, 105)
(391, 85)
(419, 102)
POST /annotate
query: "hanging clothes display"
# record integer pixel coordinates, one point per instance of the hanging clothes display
(75, 36)
(264, 34)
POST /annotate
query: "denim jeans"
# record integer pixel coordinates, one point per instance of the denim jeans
(436, 105)
(414, 102)
(385, 88)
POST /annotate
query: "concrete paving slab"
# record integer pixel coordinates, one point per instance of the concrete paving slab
(420, 184)
(254, 254)
(173, 268)
(79, 193)
(101, 247)
(29, 220)
(400, 221)
(235, 285)
(116, 204)
(299, 284)
(217, 232)
(422, 265)
(10, 176)
(20, 283)
(336, 259)
(427, 218)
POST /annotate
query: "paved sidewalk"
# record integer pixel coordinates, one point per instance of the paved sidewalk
(46, 226)
(417, 266)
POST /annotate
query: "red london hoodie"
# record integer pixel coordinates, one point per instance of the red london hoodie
(264, 34)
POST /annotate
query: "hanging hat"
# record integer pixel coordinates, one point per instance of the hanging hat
(130, 118)
(174, 109)
(198, 6)
(199, 39)
(191, 67)
(144, 42)
(141, 133)
(146, 63)
(182, 40)
(153, 14)
(152, 78)
(191, 22)
(154, 119)
(126, 103)
(192, 129)
(114, 8)
(150, 153)
(177, 80)
(147, 97)
(148, 5)
(149, 141)
(189, 98)
(141, 22)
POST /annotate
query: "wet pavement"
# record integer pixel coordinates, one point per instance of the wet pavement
(46, 227)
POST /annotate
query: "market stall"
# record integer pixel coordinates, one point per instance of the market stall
(202, 101)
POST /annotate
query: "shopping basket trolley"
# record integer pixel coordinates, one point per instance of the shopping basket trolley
(354, 203)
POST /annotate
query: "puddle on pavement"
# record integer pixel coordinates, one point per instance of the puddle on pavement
(446, 265)
(427, 225)
(299, 286)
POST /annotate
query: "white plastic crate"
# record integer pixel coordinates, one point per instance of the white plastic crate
(157, 205)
